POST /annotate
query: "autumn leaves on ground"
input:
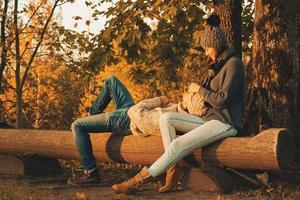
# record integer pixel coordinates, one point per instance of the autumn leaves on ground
(50, 75)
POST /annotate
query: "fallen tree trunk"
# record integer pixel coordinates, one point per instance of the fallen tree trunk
(270, 150)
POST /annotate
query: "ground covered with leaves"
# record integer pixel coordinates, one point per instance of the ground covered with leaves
(55, 188)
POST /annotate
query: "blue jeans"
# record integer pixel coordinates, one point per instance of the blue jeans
(97, 121)
(198, 134)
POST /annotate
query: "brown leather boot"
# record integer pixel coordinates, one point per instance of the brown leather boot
(90, 178)
(131, 186)
(173, 179)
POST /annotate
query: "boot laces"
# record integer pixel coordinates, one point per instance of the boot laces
(86, 175)
(136, 180)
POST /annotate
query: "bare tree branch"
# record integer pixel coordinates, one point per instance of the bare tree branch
(17, 38)
(8, 85)
(38, 44)
(25, 49)
(29, 20)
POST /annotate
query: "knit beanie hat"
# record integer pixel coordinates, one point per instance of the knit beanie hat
(213, 36)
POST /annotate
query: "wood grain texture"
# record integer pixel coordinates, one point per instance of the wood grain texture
(272, 149)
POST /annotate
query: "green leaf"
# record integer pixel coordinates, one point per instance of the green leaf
(77, 18)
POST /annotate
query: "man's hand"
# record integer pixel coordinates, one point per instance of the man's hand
(88, 110)
(164, 101)
(194, 87)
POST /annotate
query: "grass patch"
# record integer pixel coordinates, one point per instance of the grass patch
(13, 189)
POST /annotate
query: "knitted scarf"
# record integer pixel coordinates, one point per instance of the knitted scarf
(216, 66)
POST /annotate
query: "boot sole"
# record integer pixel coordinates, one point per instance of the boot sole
(71, 183)
(173, 188)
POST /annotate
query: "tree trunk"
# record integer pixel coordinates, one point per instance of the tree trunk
(270, 150)
(274, 75)
(293, 28)
(19, 91)
(230, 12)
(3, 41)
(19, 119)
(21, 78)
(37, 123)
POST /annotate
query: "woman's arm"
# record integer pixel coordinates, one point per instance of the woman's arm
(222, 98)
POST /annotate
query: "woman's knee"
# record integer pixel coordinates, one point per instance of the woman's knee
(176, 147)
(164, 123)
(166, 117)
(219, 128)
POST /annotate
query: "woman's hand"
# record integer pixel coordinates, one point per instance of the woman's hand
(194, 87)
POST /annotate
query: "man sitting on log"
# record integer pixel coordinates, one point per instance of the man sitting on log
(98, 121)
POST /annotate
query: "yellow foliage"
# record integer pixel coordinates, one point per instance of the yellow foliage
(122, 72)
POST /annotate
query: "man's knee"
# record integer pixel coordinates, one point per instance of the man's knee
(111, 79)
(111, 82)
(76, 127)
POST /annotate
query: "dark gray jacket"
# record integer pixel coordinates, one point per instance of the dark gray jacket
(224, 91)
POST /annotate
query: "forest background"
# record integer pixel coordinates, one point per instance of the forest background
(50, 75)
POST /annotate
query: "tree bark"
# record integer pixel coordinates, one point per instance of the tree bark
(270, 150)
(274, 75)
(19, 119)
(230, 12)
(293, 34)
(37, 123)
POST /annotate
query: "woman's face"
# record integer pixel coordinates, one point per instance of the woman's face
(211, 52)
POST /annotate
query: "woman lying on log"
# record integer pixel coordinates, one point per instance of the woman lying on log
(223, 92)
(141, 119)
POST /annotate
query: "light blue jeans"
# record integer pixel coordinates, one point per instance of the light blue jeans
(198, 133)
(97, 121)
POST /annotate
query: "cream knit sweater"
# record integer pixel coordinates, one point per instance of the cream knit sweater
(145, 115)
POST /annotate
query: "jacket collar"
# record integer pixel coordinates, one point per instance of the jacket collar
(216, 66)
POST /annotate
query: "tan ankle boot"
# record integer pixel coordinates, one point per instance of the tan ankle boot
(184, 165)
(173, 179)
(131, 186)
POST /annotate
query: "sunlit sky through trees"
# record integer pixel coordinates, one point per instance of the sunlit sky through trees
(69, 10)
